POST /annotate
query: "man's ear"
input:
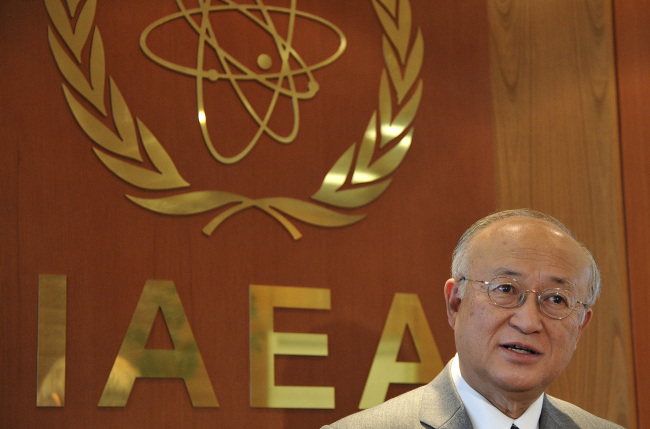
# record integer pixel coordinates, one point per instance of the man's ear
(452, 301)
(587, 318)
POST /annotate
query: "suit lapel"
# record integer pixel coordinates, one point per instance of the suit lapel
(553, 418)
(441, 407)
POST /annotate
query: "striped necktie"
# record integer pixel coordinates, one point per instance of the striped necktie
(514, 426)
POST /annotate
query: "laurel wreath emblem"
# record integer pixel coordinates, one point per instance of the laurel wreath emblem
(358, 177)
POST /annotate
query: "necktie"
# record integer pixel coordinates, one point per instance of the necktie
(514, 426)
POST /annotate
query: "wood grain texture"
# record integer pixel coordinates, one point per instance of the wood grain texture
(63, 212)
(557, 150)
(632, 63)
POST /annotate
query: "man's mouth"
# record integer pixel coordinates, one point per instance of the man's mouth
(520, 349)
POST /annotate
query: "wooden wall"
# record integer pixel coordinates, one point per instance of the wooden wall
(524, 103)
(633, 67)
(557, 144)
(65, 213)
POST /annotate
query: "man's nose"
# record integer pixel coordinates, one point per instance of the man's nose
(527, 317)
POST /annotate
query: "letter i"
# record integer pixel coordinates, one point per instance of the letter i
(50, 372)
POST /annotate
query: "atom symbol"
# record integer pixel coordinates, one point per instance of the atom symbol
(281, 83)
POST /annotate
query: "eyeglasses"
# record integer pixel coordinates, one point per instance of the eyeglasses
(509, 293)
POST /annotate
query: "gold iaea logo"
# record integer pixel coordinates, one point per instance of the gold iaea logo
(359, 176)
(281, 82)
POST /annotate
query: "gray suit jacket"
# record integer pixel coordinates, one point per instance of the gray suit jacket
(438, 406)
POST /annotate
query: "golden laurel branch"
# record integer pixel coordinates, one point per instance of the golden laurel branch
(367, 175)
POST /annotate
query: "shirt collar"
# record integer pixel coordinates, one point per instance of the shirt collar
(483, 414)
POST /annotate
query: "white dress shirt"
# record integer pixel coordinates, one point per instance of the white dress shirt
(483, 414)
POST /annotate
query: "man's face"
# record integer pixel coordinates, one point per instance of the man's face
(517, 352)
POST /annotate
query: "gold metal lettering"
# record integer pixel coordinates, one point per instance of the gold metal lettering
(134, 360)
(50, 370)
(266, 344)
(405, 310)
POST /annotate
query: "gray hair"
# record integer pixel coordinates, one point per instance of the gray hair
(460, 261)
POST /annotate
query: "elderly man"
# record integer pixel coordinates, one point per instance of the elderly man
(519, 299)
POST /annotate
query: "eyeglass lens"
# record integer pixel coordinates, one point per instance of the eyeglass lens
(555, 303)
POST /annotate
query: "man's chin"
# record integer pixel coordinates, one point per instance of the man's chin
(526, 383)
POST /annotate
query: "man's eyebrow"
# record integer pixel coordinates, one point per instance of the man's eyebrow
(505, 271)
(566, 284)
(509, 272)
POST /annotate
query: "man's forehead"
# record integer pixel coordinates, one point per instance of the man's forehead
(529, 236)
(518, 225)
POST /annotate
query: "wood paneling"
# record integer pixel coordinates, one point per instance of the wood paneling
(63, 212)
(632, 23)
(553, 108)
(557, 150)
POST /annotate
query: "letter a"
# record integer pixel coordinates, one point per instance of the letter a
(134, 360)
(406, 311)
